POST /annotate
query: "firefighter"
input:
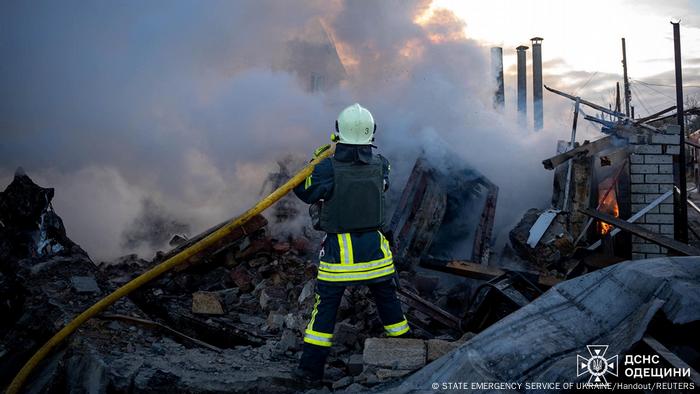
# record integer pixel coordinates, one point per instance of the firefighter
(347, 196)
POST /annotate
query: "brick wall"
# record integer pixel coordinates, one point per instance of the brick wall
(651, 175)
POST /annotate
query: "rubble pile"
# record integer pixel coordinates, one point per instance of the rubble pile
(229, 321)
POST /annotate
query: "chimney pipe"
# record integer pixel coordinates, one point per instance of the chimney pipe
(522, 83)
(537, 82)
(497, 74)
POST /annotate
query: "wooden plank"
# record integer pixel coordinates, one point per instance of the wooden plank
(644, 233)
(472, 270)
(415, 301)
(585, 149)
(692, 143)
(484, 231)
(418, 216)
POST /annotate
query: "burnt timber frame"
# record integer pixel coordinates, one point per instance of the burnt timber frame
(642, 232)
(482, 237)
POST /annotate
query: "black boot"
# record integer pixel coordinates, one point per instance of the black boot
(312, 364)
(307, 378)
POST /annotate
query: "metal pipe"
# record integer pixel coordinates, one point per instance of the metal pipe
(522, 84)
(497, 74)
(537, 109)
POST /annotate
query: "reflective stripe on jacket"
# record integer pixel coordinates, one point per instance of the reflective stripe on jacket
(353, 257)
(345, 258)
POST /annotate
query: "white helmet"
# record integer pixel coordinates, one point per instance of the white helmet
(355, 125)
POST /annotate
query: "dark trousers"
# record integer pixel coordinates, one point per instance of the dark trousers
(323, 316)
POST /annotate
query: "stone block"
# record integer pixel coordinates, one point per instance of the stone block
(638, 207)
(637, 178)
(394, 353)
(644, 168)
(665, 187)
(659, 178)
(659, 218)
(644, 188)
(673, 129)
(638, 198)
(84, 284)
(665, 208)
(207, 303)
(651, 197)
(666, 229)
(651, 227)
(647, 149)
(437, 348)
(665, 168)
(673, 149)
(658, 159)
(673, 139)
(637, 159)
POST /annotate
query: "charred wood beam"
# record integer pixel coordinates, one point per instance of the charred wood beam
(689, 111)
(605, 123)
(472, 270)
(603, 109)
(653, 117)
(415, 301)
(588, 103)
(418, 216)
(584, 150)
(482, 236)
(671, 357)
(644, 233)
(692, 143)
(256, 222)
(634, 217)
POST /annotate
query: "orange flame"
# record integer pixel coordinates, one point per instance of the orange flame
(607, 205)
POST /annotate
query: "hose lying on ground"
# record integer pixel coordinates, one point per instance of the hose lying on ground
(160, 269)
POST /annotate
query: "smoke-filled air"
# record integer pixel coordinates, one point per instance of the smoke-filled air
(153, 118)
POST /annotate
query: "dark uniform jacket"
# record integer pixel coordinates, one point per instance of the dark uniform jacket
(347, 258)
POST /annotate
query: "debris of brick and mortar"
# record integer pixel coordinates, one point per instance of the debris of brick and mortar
(233, 322)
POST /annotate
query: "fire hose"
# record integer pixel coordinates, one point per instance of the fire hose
(162, 268)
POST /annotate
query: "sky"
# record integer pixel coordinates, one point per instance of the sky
(150, 114)
(582, 42)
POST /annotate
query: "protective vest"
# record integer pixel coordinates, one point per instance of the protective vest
(357, 203)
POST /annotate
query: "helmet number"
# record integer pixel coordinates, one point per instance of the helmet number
(366, 130)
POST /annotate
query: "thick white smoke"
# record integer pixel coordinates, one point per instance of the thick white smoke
(188, 105)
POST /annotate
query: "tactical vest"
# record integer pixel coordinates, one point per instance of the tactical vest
(357, 203)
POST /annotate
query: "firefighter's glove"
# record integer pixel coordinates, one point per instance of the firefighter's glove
(321, 149)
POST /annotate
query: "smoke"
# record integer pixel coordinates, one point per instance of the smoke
(188, 105)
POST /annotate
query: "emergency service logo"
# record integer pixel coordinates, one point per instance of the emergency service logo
(597, 366)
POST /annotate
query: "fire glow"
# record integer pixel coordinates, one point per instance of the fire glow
(607, 203)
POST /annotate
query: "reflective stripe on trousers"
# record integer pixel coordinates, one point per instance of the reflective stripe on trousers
(394, 330)
(317, 337)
